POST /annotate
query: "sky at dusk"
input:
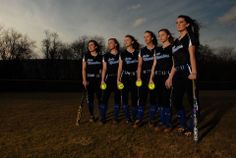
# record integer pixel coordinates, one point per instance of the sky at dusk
(116, 18)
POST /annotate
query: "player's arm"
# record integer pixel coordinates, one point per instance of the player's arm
(193, 74)
(84, 65)
(119, 70)
(139, 69)
(104, 71)
(153, 70)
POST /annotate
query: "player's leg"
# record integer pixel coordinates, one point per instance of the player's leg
(124, 98)
(133, 91)
(178, 94)
(90, 100)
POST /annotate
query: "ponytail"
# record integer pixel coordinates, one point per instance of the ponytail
(193, 27)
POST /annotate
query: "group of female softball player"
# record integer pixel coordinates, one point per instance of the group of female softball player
(158, 75)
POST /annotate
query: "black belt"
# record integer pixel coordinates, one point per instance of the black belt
(111, 75)
(130, 73)
(182, 67)
(162, 73)
(146, 71)
(94, 75)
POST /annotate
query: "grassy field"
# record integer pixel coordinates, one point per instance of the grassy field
(43, 125)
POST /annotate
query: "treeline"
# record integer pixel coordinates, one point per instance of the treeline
(16, 46)
(62, 61)
(217, 65)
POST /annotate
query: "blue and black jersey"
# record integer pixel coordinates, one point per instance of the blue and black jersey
(93, 63)
(148, 57)
(163, 57)
(180, 50)
(112, 63)
(130, 61)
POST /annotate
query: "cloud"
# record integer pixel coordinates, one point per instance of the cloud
(134, 7)
(229, 17)
(74, 18)
(138, 22)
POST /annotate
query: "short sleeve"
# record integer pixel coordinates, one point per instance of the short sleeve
(122, 55)
(84, 58)
(104, 58)
(192, 40)
(140, 53)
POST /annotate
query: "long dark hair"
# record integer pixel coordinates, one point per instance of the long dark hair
(171, 38)
(96, 44)
(135, 42)
(193, 27)
(116, 42)
(154, 38)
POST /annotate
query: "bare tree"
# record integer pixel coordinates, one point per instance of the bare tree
(206, 53)
(51, 45)
(14, 45)
(25, 48)
(79, 47)
(226, 53)
(66, 52)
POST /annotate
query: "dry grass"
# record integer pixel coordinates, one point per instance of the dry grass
(43, 125)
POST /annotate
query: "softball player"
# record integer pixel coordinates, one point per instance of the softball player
(162, 72)
(91, 73)
(127, 74)
(185, 63)
(146, 57)
(109, 78)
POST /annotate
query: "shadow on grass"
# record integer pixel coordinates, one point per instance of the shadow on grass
(211, 116)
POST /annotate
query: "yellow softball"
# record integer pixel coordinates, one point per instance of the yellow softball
(139, 83)
(121, 86)
(103, 86)
(151, 86)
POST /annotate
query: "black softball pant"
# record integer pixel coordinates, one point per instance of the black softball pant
(111, 82)
(163, 100)
(129, 82)
(93, 88)
(182, 85)
(162, 93)
(144, 93)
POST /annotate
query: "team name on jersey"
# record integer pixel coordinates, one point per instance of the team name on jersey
(176, 48)
(112, 61)
(147, 58)
(92, 62)
(159, 56)
(129, 60)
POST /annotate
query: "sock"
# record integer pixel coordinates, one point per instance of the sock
(168, 117)
(162, 115)
(126, 111)
(134, 112)
(152, 112)
(140, 113)
(102, 109)
(182, 119)
(116, 111)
